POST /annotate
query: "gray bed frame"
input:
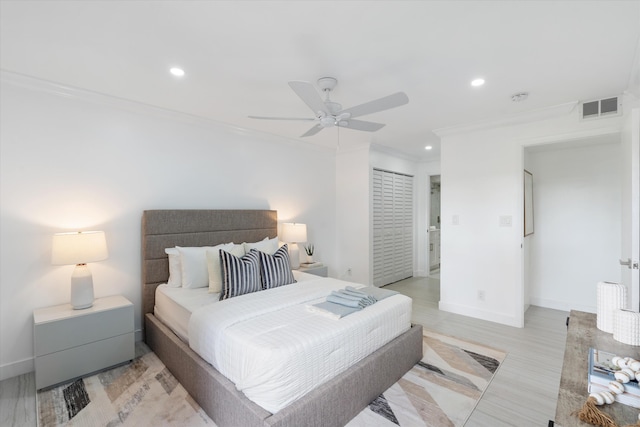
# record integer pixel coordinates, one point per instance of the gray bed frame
(333, 403)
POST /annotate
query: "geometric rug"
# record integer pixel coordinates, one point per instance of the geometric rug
(440, 390)
(140, 393)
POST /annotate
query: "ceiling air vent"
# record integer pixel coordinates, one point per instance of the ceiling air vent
(601, 108)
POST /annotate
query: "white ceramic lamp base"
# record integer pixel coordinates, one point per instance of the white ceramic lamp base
(294, 256)
(81, 287)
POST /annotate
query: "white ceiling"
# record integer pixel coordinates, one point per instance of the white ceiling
(239, 56)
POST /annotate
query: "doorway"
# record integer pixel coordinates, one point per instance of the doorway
(577, 209)
(434, 226)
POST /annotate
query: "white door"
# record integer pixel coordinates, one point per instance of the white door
(630, 255)
(392, 195)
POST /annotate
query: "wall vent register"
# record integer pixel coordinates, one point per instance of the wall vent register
(601, 108)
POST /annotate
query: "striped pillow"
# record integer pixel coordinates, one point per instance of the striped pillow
(276, 268)
(239, 275)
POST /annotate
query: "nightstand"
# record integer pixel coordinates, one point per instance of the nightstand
(321, 270)
(71, 343)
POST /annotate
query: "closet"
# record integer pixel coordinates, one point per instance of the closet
(392, 224)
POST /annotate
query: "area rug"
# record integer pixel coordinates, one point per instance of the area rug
(440, 390)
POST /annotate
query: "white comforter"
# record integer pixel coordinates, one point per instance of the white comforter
(274, 350)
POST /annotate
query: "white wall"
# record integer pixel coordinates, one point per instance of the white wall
(482, 176)
(577, 211)
(352, 212)
(480, 182)
(73, 160)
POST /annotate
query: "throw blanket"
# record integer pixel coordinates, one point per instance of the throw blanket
(347, 301)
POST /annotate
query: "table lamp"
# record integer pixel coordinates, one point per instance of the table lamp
(294, 233)
(79, 248)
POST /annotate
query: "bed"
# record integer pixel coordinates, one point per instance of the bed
(333, 403)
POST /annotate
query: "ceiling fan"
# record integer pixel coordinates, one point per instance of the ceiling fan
(329, 114)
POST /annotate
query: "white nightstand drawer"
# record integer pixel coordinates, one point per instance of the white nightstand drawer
(71, 343)
(82, 329)
(78, 361)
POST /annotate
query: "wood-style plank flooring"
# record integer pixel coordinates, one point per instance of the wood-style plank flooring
(523, 392)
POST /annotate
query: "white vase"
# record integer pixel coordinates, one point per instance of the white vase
(309, 259)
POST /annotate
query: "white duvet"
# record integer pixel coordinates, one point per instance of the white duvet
(275, 350)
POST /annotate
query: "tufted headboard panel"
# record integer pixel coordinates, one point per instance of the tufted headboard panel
(183, 227)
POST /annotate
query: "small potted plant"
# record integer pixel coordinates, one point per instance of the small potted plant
(309, 250)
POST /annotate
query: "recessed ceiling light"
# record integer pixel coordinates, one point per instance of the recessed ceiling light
(477, 82)
(428, 147)
(178, 72)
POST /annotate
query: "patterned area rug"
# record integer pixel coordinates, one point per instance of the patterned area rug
(140, 393)
(441, 390)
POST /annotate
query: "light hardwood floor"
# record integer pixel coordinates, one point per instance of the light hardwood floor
(523, 392)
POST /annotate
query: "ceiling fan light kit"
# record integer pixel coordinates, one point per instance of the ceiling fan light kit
(329, 114)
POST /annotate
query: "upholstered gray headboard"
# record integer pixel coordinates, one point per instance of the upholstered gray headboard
(168, 228)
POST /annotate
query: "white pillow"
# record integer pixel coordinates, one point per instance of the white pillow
(268, 246)
(215, 267)
(175, 273)
(193, 262)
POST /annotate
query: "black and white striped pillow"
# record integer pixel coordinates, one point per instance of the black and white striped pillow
(276, 268)
(239, 275)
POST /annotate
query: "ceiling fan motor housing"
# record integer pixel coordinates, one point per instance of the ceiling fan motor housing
(327, 83)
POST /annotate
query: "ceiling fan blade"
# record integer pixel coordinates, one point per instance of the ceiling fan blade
(362, 125)
(308, 93)
(317, 128)
(391, 101)
(280, 118)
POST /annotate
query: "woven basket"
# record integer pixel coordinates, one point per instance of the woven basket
(627, 327)
(611, 297)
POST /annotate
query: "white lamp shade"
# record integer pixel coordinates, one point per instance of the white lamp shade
(294, 232)
(78, 247)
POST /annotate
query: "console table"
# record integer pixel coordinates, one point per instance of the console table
(582, 334)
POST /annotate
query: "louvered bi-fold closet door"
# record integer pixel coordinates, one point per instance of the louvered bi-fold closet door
(392, 227)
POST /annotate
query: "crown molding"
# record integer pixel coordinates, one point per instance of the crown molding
(510, 120)
(384, 149)
(66, 91)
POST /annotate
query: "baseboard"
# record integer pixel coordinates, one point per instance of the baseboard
(561, 305)
(477, 313)
(14, 369)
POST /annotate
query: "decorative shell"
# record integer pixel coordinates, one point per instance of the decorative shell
(598, 397)
(615, 360)
(616, 387)
(629, 373)
(608, 397)
(622, 362)
(622, 376)
(635, 366)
